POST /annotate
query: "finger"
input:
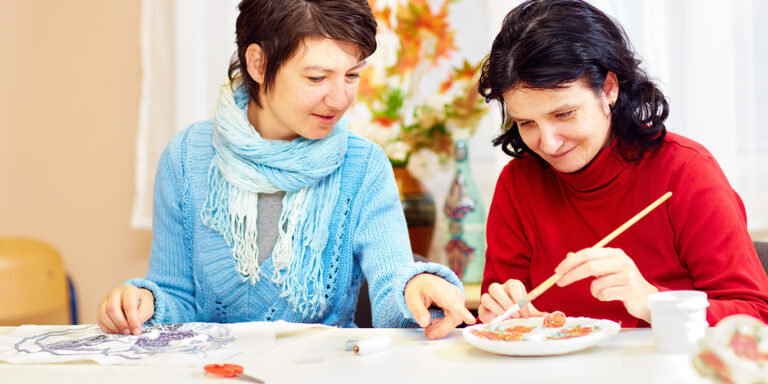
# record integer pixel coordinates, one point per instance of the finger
(491, 306)
(516, 290)
(634, 301)
(501, 295)
(607, 281)
(429, 331)
(106, 324)
(146, 307)
(131, 308)
(533, 312)
(615, 293)
(114, 310)
(571, 260)
(596, 266)
(103, 319)
(441, 327)
(452, 303)
(418, 309)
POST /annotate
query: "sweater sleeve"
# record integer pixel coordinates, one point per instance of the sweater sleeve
(713, 242)
(383, 248)
(508, 255)
(170, 277)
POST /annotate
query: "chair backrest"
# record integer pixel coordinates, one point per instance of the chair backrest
(34, 288)
(762, 252)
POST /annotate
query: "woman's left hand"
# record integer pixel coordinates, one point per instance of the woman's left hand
(426, 289)
(616, 278)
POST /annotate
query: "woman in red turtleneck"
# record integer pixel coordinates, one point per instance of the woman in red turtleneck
(586, 127)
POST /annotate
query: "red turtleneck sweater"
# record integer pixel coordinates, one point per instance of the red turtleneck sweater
(696, 240)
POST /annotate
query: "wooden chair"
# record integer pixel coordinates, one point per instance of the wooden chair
(34, 287)
(762, 252)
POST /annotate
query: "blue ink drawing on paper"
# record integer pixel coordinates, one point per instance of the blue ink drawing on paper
(188, 338)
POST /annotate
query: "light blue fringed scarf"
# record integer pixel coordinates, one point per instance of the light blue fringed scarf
(245, 165)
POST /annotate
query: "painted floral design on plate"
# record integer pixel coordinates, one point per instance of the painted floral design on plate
(734, 351)
(537, 336)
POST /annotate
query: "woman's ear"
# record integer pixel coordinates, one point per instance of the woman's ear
(256, 63)
(610, 92)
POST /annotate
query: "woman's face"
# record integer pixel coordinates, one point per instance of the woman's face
(566, 126)
(311, 92)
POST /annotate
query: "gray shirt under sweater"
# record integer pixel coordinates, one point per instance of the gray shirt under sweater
(270, 205)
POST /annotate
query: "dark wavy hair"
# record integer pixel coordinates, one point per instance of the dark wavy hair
(279, 26)
(545, 44)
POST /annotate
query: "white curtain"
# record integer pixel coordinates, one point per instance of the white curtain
(709, 56)
(185, 47)
(710, 59)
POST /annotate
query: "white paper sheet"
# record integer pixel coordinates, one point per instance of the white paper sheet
(189, 344)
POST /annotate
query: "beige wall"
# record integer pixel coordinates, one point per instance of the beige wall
(69, 92)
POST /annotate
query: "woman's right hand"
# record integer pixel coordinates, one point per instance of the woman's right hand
(500, 297)
(125, 309)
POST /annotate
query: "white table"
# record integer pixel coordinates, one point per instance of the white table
(317, 356)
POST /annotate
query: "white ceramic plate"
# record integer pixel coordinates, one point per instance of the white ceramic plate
(535, 343)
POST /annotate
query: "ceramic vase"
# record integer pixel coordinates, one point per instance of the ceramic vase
(465, 214)
(419, 210)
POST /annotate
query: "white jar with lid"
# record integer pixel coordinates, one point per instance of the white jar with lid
(678, 319)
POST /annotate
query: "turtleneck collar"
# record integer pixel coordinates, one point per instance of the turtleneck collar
(603, 176)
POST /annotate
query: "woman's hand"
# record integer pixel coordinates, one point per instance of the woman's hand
(500, 297)
(125, 309)
(616, 278)
(426, 289)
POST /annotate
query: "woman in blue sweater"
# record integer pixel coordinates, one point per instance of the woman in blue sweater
(274, 210)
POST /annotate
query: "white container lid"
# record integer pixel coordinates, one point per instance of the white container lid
(687, 300)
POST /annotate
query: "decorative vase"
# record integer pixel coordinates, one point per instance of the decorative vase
(419, 209)
(465, 213)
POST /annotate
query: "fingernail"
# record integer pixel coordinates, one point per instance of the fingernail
(137, 331)
(126, 331)
(424, 321)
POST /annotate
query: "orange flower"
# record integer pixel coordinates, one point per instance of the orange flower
(417, 26)
(366, 90)
(415, 36)
(382, 15)
(384, 121)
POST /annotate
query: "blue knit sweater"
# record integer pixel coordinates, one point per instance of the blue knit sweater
(193, 275)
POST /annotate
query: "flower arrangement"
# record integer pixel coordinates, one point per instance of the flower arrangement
(409, 122)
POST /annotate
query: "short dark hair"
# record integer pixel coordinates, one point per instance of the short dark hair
(279, 26)
(545, 44)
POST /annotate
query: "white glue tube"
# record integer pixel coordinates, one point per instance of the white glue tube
(372, 345)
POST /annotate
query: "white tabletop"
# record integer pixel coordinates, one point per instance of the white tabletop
(318, 356)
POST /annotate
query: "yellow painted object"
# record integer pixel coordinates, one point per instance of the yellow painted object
(33, 283)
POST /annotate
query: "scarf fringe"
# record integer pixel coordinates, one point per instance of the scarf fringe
(243, 220)
(242, 237)
(236, 220)
(231, 206)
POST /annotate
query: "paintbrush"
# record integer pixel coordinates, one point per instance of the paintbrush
(554, 278)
